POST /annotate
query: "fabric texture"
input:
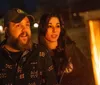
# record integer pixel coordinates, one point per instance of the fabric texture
(33, 68)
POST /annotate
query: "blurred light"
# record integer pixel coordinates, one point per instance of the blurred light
(1, 29)
(74, 14)
(36, 25)
(95, 48)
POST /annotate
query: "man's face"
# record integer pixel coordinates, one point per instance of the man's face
(19, 34)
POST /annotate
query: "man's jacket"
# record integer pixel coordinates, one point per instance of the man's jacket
(33, 68)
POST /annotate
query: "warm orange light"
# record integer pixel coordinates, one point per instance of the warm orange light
(95, 48)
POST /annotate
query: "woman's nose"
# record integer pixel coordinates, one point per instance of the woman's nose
(54, 29)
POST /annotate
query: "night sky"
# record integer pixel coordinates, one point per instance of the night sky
(26, 5)
(31, 5)
(84, 5)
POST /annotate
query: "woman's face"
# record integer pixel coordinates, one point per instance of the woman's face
(53, 29)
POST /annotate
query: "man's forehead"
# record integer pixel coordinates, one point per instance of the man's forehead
(12, 23)
(25, 19)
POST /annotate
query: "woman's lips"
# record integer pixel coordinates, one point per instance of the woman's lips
(54, 35)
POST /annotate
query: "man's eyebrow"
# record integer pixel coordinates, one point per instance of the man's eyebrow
(28, 21)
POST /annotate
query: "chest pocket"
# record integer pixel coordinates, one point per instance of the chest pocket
(34, 66)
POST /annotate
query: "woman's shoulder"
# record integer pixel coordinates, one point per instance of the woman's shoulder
(70, 45)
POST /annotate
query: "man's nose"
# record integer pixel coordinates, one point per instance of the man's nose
(23, 28)
(24, 33)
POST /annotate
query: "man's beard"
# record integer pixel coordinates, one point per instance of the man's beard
(17, 44)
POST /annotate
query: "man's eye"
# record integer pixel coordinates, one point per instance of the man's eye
(17, 25)
(28, 25)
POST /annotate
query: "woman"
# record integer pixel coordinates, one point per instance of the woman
(71, 67)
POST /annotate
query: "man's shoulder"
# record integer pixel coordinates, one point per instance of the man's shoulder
(40, 49)
(1, 49)
(3, 53)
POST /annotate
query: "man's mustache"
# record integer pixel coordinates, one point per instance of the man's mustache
(23, 34)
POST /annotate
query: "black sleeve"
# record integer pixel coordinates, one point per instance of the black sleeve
(82, 71)
(85, 70)
(50, 74)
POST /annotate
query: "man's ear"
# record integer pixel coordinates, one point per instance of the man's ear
(6, 31)
(5, 28)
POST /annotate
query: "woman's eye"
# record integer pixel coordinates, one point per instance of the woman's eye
(58, 26)
(49, 26)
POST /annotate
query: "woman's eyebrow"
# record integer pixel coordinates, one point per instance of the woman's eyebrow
(58, 23)
(51, 23)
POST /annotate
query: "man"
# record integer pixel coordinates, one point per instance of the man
(21, 61)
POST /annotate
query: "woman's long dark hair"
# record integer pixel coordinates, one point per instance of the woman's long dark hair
(62, 40)
(43, 28)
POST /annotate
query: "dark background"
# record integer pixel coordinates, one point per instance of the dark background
(77, 31)
(30, 6)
